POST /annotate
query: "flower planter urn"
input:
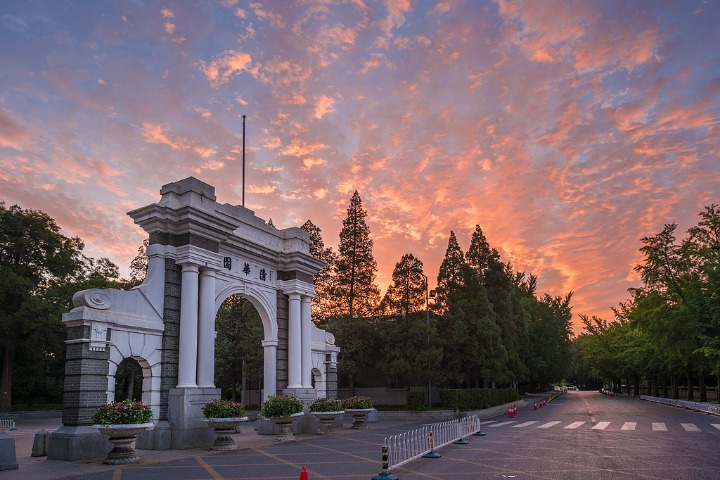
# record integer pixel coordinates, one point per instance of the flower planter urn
(284, 423)
(327, 420)
(224, 428)
(359, 416)
(121, 436)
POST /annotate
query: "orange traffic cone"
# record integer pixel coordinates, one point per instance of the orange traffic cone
(535, 405)
(509, 413)
(304, 474)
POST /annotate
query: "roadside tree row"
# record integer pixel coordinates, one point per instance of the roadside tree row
(667, 333)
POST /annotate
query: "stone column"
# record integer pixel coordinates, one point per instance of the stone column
(187, 351)
(269, 371)
(294, 341)
(306, 343)
(206, 331)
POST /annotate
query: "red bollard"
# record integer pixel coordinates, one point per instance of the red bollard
(535, 405)
(509, 413)
(304, 474)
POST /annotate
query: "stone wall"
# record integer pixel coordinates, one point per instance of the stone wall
(86, 377)
(171, 337)
(281, 379)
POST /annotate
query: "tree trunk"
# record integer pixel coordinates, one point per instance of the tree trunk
(636, 385)
(131, 381)
(691, 393)
(6, 379)
(703, 387)
(674, 387)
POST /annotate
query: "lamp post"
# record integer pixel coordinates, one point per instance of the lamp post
(417, 269)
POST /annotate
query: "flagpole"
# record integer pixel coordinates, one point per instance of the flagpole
(243, 164)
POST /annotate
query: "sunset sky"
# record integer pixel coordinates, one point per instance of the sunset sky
(566, 130)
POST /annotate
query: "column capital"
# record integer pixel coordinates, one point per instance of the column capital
(189, 267)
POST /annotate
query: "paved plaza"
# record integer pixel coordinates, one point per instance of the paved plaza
(348, 454)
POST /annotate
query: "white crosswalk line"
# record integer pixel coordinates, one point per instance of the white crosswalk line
(502, 423)
(525, 424)
(548, 425)
(627, 426)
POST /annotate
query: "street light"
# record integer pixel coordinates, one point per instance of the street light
(417, 269)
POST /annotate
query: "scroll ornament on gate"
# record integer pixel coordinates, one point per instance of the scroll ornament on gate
(93, 298)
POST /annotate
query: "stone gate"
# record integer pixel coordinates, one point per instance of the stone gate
(200, 252)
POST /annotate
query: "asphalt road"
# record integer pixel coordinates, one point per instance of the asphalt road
(584, 435)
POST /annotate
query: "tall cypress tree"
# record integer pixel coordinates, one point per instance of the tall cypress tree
(473, 351)
(323, 305)
(356, 268)
(448, 278)
(503, 296)
(407, 293)
(479, 254)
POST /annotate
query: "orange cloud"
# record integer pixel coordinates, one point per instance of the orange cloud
(300, 148)
(156, 134)
(275, 19)
(12, 133)
(226, 65)
(323, 106)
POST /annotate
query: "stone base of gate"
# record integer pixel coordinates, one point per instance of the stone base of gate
(157, 438)
(188, 428)
(305, 424)
(77, 443)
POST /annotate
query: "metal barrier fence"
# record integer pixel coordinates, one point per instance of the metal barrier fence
(414, 444)
(7, 425)
(700, 407)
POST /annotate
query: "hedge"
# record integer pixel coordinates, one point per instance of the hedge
(476, 398)
(416, 400)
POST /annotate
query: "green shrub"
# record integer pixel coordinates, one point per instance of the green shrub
(122, 413)
(326, 405)
(476, 398)
(416, 401)
(223, 409)
(281, 406)
(358, 401)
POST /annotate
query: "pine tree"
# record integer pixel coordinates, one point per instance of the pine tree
(323, 305)
(355, 290)
(504, 297)
(473, 352)
(480, 255)
(448, 278)
(407, 293)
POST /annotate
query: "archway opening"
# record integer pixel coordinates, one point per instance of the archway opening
(239, 351)
(129, 380)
